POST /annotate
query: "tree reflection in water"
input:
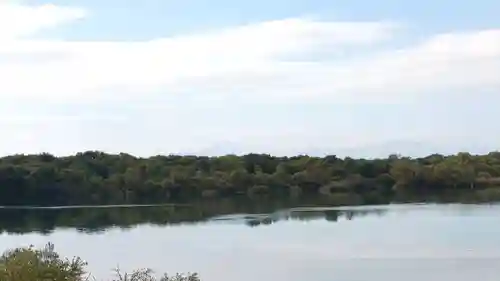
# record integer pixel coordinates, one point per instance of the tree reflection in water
(95, 220)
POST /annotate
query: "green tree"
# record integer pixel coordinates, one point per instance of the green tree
(31, 264)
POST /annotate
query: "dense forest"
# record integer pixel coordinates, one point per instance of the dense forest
(98, 178)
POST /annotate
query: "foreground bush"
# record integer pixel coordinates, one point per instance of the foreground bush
(30, 264)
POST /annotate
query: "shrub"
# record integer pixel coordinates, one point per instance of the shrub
(30, 264)
(27, 264)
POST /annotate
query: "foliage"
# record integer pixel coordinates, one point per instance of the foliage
(30, 264)
(147, 274)
(94, 177)
(27, 264)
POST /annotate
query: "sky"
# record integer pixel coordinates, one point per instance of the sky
(282, 77)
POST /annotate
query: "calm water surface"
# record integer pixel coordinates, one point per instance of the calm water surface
(394, 242)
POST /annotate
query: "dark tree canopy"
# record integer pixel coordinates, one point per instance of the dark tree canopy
(94, 177)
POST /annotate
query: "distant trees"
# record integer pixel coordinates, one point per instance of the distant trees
(94, 177)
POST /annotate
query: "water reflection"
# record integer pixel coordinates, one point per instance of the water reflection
(94, 220)
(253, 213)
(242, 240)
(304, 214)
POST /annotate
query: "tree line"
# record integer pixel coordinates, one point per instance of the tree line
(95, 177)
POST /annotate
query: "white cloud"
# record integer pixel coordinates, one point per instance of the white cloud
(19, 20)
(249, 61)
(260, 62)
(85, 69)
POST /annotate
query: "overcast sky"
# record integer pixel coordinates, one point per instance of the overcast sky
(160, 76)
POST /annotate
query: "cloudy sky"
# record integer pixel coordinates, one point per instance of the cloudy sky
(223, 76)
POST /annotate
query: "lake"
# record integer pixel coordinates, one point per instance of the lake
(227, 241)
